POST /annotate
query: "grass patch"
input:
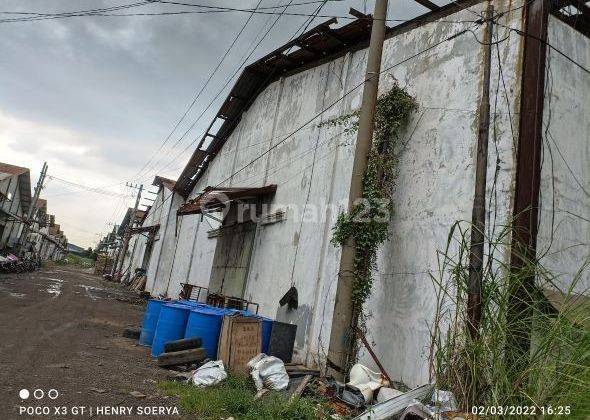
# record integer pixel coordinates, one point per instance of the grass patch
(76, 260)
(234, 397)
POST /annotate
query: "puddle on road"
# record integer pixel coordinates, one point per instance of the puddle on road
(17, 295)
(89, 290)
(55, 287)
(95, 293)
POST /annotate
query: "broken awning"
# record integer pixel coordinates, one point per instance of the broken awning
(144, 229)
(214, 198)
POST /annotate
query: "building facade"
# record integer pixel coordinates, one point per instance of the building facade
(282, 154)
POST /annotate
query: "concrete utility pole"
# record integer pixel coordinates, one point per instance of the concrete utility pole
(478, 217)
(31, 212)
(116, 262)
(127, 235)
(342, 337)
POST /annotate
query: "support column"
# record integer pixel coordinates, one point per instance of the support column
(528, 178)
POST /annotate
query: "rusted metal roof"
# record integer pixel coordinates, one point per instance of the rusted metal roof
(144, 229)
(306, 50)
(139, 217)
(311, 49)
(160, 181)
(12, 169)
(213, 199)
(578, 18)
(41, 203)
(24, 179)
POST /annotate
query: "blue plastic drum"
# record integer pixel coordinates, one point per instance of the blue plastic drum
(266, 330)
(205, 323)
(150, 321)
(171, 326)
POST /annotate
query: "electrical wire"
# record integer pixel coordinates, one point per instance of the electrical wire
(455, 35)
(87, 188)
(332, 104)
(214, 9)
(557, 50)
(228, 81)
(199, 93)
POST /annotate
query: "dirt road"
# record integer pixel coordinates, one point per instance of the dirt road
(60, 329)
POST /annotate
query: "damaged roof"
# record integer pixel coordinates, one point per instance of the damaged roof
(6, 168)
(139, 217)
(214, 199)
(311, 49)
(160, 181)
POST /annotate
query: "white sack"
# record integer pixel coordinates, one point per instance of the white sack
(210, 373)
(268, 372)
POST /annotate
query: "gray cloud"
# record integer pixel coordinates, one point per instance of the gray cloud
(118, 84)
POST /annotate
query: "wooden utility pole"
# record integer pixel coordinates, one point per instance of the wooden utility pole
(31, 212)
(127, 234)
(478, 216)
(344, 319)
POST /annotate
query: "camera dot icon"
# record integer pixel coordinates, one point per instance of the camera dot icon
(24, 394)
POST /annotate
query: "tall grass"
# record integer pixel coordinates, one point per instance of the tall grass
(486, 370)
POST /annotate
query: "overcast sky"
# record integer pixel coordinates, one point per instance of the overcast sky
(96, 96)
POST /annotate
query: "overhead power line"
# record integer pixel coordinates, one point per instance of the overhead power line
(34, 16)
(330, 106)
(220, 91)
(96, 190)
(557, 50)
(199, 93)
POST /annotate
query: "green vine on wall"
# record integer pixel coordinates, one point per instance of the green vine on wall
(367, 224)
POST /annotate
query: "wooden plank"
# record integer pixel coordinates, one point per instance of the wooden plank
(181, 357)
(301, 387)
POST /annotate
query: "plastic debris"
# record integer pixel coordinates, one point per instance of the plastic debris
(268, 372)
(444, 400)
(417, 410)
(366, 381)
(210, 373)
(396, 405)
(386, 394)
(349, 395)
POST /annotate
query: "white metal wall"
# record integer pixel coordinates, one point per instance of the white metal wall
(564, 228)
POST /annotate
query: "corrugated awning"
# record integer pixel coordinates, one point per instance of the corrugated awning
(214, 199)
(144, 229)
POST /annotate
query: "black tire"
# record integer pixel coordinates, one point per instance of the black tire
(183, 344)
(181, 357)
(132, 333)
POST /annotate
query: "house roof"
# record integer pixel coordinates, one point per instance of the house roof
(311, 49)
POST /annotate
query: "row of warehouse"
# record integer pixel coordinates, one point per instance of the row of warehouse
(251, 216)
(26, 228)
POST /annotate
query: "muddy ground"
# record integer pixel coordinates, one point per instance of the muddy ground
(60, 329)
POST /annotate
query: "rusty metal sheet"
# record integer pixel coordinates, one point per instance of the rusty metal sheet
(215, 198)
